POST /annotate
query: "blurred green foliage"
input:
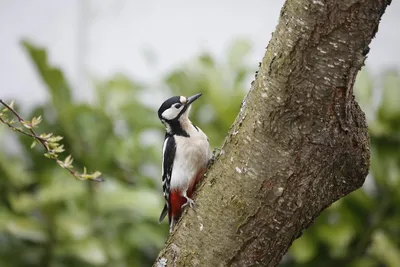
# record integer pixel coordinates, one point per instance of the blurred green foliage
(363, 229)
(47, 218)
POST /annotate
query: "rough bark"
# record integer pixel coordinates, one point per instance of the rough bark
(299, 143)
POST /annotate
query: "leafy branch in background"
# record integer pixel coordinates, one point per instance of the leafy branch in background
(49, 141)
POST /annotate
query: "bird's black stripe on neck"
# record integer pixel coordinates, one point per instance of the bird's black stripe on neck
(176, 128)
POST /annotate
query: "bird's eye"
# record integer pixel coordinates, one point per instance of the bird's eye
(178, 105)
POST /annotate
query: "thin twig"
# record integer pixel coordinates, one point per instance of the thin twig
(19, 130)
(51, 153)
(22, 121)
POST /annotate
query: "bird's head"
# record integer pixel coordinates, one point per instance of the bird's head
(175, 110)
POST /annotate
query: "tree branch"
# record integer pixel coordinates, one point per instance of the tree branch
(300, 141)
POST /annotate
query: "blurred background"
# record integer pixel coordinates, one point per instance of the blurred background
(98, 70)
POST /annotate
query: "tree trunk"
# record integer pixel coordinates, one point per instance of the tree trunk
(299, 143)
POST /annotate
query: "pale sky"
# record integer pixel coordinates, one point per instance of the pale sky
(108, 36)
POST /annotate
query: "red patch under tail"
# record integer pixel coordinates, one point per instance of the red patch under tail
(177, 200)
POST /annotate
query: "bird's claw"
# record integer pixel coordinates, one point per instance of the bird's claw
(215, 153)
(216, 150)
(189, 202)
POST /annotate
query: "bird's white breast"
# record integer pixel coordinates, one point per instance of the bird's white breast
(192, 154)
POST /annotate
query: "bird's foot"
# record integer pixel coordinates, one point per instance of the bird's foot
(216, 152)
(189, 202)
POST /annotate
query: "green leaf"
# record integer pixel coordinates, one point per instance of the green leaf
(304, 249)
(207, 60)
(89, 250)
(36, 121)
(33, 144)
(73, 226)
(13, 171)
(142, 202)
(68, 160)
(61, 189)
(389, 109)
(26, 229)
(363, 89)
(24, 202)
(52, 76)
(385, 249)
(55, 139)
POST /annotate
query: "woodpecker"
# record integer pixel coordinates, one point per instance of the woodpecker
(185, 155)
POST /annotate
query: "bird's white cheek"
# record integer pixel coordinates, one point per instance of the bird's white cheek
(170, 114)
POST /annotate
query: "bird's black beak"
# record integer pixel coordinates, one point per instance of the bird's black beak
(192, 98)
(189, 101)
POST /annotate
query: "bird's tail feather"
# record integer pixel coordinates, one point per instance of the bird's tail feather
(163, 213)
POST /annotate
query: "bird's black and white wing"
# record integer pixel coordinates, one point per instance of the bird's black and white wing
(168, 152)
